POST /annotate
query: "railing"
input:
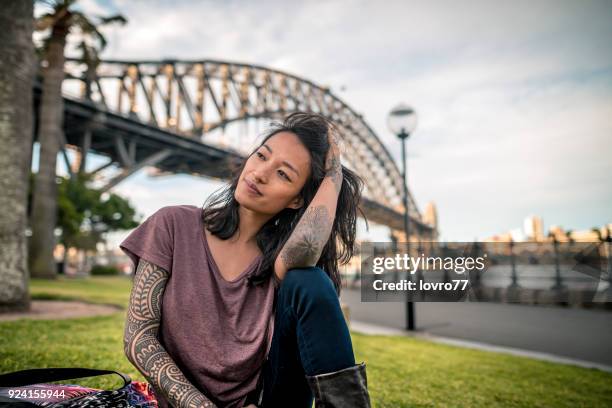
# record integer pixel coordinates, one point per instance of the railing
(543, 272)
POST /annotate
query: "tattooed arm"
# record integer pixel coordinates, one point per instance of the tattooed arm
(142, 347)
(306, 242)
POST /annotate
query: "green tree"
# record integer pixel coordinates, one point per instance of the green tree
(59, 21)
(16, 80)
(85, 215)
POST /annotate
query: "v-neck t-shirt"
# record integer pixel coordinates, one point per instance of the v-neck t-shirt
(218, 332)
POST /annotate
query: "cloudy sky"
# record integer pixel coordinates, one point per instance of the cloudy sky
(514, 98)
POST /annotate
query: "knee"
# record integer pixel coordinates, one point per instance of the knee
(312, 283)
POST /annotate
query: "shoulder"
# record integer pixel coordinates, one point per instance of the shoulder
(176, 217)
(178, 212)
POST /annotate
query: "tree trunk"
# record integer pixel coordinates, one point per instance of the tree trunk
(44, 199)
(16, 122)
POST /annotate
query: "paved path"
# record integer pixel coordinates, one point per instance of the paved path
(575, 334)
(56, 309)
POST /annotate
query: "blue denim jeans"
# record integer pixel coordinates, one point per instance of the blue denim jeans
(310, 338)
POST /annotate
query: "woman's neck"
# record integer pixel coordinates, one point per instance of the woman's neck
(249, 225)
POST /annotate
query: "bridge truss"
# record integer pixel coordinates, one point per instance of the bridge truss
(194, 117)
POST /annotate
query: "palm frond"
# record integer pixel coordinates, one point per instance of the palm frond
(44, 22)
(81, 21)
(62, 10)
(116, 18)
(88, 28)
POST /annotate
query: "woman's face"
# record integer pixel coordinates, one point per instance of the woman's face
(274, 175)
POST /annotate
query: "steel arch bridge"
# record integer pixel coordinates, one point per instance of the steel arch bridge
(215, 102)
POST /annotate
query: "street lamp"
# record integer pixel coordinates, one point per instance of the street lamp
(402, 121)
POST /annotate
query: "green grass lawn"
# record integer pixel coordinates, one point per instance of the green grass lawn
(402, 372)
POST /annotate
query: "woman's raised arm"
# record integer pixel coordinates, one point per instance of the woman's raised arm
(306, 242)
(143, 349)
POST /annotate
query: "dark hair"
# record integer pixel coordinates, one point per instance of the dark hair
(220, 211)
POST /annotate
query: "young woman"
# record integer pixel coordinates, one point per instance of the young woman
(236, 304)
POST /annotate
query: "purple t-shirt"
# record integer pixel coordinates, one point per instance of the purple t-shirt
(218, 332)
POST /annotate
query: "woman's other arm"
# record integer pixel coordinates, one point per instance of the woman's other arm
(143, 349)
(306, 242)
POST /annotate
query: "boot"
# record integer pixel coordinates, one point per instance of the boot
(346, 388)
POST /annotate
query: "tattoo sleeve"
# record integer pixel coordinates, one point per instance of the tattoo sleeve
(306, 242)
(335, 173)
(332, 161)
(142, 347)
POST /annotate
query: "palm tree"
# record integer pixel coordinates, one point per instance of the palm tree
(16, 80)
(59, 21)
(597, 232)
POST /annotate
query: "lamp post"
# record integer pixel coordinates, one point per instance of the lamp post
(402, 121)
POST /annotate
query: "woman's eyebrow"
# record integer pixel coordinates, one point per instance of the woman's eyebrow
(284, 162)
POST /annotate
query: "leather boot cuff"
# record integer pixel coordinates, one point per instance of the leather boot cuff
(346, 388)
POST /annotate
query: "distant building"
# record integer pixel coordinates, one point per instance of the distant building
(430, 216)
(533, 231)
(558, 233)
(533, 227)
(592, 235)
(504, 237)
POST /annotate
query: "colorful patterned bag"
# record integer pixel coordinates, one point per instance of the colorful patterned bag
(27, 389)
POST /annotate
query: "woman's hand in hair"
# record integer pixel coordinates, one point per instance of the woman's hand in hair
(333, 166)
